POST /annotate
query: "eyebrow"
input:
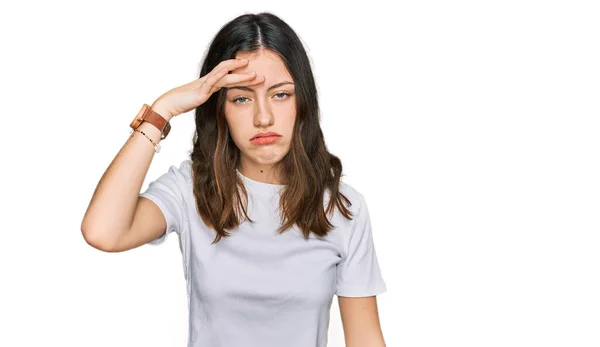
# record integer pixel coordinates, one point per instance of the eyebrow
(252, 90)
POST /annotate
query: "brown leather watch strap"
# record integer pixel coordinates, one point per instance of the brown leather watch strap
(147, 114)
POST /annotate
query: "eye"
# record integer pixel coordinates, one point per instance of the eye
(282, 95)
(243, 99)
(237, 100)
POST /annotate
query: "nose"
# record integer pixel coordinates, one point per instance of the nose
(263, 117)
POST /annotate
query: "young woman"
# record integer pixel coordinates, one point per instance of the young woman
(267, 231)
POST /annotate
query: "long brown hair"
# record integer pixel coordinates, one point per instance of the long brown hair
(308, 168)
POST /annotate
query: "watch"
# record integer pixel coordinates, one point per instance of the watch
(147, 114)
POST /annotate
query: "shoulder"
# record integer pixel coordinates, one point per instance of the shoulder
(183, 170)
(177, 177)
(185, 165)
(344, 225)
(356, 198)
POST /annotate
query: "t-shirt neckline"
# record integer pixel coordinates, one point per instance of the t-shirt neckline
(257, 187)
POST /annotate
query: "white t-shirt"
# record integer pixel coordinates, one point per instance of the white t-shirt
(258, 288)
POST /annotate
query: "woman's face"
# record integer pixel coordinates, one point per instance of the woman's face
(269, 106)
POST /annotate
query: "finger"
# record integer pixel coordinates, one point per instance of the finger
(209, 82)
(255, 80)
(229, 65)
(233, 79)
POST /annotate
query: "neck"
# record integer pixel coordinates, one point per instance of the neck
(264, 174)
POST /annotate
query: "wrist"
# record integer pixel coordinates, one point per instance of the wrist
(151, 133)
(159, 108)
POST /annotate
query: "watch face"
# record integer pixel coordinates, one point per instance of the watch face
(167, 129)
(138, 118)
(135, 123)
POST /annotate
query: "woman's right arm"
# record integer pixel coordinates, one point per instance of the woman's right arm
(117, 219)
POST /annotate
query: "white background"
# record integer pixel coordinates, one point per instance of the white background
(471, 128)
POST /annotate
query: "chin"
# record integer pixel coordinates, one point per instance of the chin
(268, 156)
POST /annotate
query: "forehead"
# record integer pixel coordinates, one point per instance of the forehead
(266, 63)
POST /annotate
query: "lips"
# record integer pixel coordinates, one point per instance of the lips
(267, 134)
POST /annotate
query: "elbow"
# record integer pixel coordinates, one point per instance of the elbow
(97, 240)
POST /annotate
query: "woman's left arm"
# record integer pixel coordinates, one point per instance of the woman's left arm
(360, 320)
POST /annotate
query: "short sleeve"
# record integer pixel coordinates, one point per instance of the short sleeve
(358, 274)
(167, 192)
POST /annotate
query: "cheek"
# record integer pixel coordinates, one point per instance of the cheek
(232, 121)
(233, 131)
(290, 120)
(285, 110)
(236, 136)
